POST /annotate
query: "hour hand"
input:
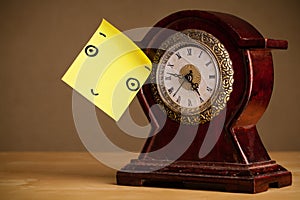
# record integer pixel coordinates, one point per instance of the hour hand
(175, 75)
(189, 78)
(195, 87)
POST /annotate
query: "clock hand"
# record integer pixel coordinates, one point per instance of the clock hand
(179, 87)
(195, 87)
(175, 75)
(189, 78)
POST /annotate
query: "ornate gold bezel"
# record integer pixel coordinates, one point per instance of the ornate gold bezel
(222, 94)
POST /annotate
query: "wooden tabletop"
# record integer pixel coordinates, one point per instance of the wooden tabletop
(74, 175)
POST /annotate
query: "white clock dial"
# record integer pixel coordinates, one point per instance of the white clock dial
(187, 76)
(193, 76)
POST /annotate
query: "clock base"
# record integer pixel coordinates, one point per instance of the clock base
(230, 177)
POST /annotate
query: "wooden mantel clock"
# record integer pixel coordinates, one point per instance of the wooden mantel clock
(212, 80)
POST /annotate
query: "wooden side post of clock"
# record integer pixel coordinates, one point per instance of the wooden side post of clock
(219, 81)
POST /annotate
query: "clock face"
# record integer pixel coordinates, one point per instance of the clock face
(193, 76)
(188, 78)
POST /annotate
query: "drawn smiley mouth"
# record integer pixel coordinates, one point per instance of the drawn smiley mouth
(94, 93)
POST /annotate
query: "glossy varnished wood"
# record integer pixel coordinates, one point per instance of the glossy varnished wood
(239, 161)
(77, 175)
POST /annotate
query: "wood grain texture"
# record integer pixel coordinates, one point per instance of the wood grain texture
(73, 175)
(239, 148)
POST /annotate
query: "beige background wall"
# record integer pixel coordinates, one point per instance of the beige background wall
(40, 39)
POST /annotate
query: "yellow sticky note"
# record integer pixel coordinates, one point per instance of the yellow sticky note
(109, 70)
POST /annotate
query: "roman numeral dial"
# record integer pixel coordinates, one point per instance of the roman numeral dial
(188, 76)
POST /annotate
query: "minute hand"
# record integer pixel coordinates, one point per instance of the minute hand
(175, 75)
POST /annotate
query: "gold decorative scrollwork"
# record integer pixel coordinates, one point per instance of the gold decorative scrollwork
(224, 89)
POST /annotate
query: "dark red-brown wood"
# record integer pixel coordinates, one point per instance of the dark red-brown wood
(239, 161)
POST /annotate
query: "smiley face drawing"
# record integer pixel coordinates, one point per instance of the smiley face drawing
(109, 71)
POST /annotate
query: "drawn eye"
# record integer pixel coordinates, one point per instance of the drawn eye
(91, 50)
(132, 84)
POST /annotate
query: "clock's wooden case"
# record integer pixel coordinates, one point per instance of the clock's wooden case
(239, 161)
